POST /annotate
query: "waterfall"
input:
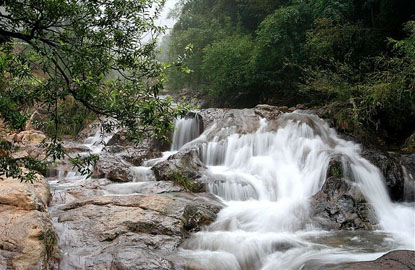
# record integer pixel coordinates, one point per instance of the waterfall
(97, 142)
(266, 179)
(186, 130)
(409, 185)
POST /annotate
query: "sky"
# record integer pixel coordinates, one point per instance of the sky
(163, 20)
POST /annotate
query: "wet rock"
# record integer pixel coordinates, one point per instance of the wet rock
(88, 131)
(114, 168)
(410, 143)
(210, 115)
(283, 108)
(291, 109)
(28, 142)
(74, 147)
(409, 177)
(134, 153)
(184, 168)
(396, 260)
(131, 232)
(267, 111)
(391, 168)
(300, 107)
(27, 236)
(341, 205)
(220, 123)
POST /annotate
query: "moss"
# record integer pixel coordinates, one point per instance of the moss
(335, 169)
(182, 180)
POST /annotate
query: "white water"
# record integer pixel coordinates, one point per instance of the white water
(266, 179)
(97, 142)
(186, 130)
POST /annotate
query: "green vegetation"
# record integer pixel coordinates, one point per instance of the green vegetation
(50, 241)
(357, 53)
(182, 180)
(79, 60)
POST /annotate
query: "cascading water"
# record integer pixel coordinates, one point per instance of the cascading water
(186, 130)
(266, 179)
(265, 176)
(68, 186)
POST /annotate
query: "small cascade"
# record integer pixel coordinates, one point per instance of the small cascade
(266, 179)
(97, 142)
(409, 186)
(186, 130)
(68, 186)
(143, 174)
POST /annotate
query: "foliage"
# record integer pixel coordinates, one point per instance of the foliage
(384, 98)
(182, 180)
(72, 118)
(389, 96)
(226, 64)
(11, 166)
(92, 52)
(294, 45)
(279, 50)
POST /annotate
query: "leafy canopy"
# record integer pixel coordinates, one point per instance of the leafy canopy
(102, 54)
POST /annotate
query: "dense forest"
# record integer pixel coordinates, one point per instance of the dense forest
(357, 53)
(251, 135)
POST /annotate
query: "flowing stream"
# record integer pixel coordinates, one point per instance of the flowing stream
(265, 178)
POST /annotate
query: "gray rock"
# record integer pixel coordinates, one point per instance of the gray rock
(184, 168)
(409, 176)
(341, 205)
(131, 232)
(114, 168)
(391, 168)
(396, 260)
(267, 111)
(134, 153)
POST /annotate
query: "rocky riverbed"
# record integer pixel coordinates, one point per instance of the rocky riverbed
(198, 204)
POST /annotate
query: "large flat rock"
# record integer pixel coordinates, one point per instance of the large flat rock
(138, 231)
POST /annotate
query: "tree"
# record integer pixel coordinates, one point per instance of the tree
(100, 53)
(226, 65)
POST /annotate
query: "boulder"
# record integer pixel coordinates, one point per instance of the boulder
(267, 111)
(133, 231)
(184, 168)
(25, 196)
(114, 168)
(29, 137)
(28, 142)
(27, 237)
(410, 143)
(341, 205)
(134, 153)
(391, 168)
(229, 121)
(74, 147)
(396, 260)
